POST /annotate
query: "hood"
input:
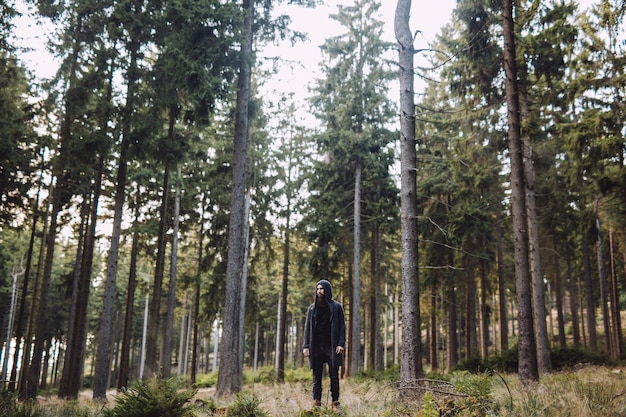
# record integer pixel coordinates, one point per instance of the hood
(328, 290)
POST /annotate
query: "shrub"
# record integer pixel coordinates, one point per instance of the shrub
(154, 397)
(569, 357)
(246, 405)
(11, 407)
(206, 380)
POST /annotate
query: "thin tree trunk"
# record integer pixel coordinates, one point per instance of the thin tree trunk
(452, 351)
(282, 313)
(504, 322)
(103, 357)
(471, 338)
(355, 307)
(411, 360)
(230, 376)
(484, 312)
(434, 363)
(30, 381)
(168, 324)
(196, 303)
(22, 319)
(558, 294)
(157, 289)
(528, 371)
(606, 319)
(544, 362)
(591, 309)
(376, 338)
(618, 347)
(574, 305)
(122, 379)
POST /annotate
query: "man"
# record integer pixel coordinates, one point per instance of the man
(325, 341)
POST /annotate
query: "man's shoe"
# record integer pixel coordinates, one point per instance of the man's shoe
(317, 403)
(335, 405)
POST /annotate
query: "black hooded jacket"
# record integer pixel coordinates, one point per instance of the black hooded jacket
(337, 326)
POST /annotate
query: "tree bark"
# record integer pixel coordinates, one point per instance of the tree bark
(528, 371)
(355, 308)
(411, 353)
(432, 346)
(282, 314)
(471, 338)
(504, 322)
(558, 294)
(544, 361)
(618, 347)
(230, 376)
(168, 324)
(484, 312)
(591, 309)
(122, 378)
(606, 319)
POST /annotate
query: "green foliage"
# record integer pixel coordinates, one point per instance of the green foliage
(477, 389)
(11, 407)
(569, 357)
(429, 407)
(564, 358)
(246, 405)
(323, 411)
(597, 395)
(206, 380)
(154, 397)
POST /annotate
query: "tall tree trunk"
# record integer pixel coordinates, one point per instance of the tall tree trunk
(168, 324)
(103, 356)
(452, 351)
(504, 322)
(411, 357)
(22, 386)
(618, 346)
(244, 283)
(591, 308)
(122, 378)
(282, 314)
(230, 376)
(196, 303)
(434, 363)
(544, 362)
(558, 293)
(74, 364)
(29, 382)
(376, 337)
(574, 305)
(606, 319)
(484, 312)
(528, 371)
(355, 308)
(75, 353)
(471, 337)
(21, 315)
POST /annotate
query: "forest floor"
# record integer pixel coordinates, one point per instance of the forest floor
(587, 391)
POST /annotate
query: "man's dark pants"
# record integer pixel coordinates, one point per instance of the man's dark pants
(320, 356)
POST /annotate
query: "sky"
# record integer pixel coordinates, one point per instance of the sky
(319, 26)
(315, 22)
(301, 61)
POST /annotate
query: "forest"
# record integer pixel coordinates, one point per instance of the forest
(161, 215)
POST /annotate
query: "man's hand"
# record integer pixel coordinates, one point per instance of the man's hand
(339, 350)
(305, 352)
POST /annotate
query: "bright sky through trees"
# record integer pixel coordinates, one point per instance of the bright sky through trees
(316, 22)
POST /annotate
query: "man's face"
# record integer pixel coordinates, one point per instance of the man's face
(319, 291)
